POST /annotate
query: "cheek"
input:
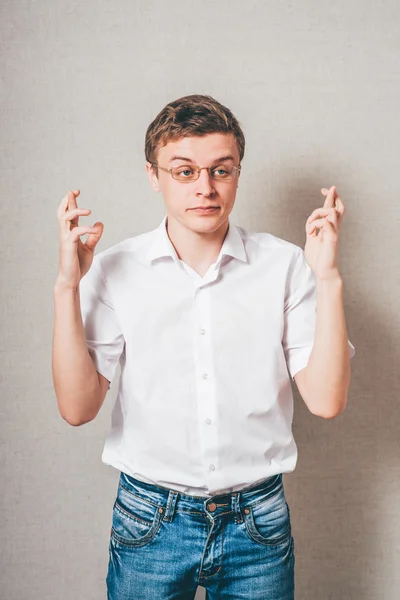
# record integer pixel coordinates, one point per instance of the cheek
(175, 195)
(229, 195)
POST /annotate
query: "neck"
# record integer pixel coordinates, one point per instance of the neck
(199, 250)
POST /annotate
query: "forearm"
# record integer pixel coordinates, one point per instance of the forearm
(327, 376)
(75, 378)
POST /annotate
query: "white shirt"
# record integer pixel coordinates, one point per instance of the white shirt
(204, 402)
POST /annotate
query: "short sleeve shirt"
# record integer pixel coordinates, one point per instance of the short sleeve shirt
(204, 402)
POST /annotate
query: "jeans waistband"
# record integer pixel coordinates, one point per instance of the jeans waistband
(173, 500)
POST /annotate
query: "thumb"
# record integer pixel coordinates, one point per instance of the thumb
(93, 238)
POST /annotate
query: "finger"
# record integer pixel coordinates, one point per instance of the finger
(313, 227)
(74, 214)
(72, 196)
(340, 208)
(317, 213)
(70, 219)
(64, 204)
(330, 197)
(329, 230)
(319, 223)
(77, 232)
(332, 217)
(93, 238)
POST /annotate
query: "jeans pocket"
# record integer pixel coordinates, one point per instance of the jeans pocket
(135, 520)
(268, 522)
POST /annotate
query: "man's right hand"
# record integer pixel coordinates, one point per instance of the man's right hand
(76, 257)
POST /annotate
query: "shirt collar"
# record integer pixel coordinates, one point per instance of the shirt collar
(161, 245)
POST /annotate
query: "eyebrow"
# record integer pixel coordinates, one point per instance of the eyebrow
(217, 160)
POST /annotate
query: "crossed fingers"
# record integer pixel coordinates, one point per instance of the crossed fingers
(69, 213)
(330, 215)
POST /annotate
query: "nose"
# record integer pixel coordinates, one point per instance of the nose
(205, 185)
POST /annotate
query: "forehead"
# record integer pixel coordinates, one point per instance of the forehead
(201, 150)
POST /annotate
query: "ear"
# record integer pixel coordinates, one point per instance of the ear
(153, 179)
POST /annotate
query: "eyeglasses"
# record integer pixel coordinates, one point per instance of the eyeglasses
(188, 173)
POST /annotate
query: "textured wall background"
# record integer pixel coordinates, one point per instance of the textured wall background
(316, 86)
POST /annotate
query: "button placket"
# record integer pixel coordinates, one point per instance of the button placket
(205, 378)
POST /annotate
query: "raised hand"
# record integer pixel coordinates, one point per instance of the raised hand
(322, 229)
(75, 257)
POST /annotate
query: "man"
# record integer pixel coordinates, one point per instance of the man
(207, 322)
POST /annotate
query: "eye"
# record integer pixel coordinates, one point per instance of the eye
(184, 172)
(221, 171)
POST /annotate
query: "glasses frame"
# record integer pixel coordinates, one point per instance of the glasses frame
(198, 169)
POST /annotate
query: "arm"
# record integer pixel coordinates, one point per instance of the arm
(80, 390)
(324, 383)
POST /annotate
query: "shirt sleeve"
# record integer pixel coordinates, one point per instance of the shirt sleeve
(300, 316)
(104, 338)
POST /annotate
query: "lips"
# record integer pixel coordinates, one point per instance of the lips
(205, 207)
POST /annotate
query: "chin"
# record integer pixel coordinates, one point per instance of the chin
(202, 224)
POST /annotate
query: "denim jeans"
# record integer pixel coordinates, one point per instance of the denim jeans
(164, 544)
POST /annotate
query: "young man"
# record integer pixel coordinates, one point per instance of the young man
(207, 322)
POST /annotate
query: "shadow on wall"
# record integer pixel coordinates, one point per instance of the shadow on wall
(344, 493)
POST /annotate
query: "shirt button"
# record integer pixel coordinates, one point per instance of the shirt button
(202, 331)
(212, 467)
(205, 375)
(208, 421)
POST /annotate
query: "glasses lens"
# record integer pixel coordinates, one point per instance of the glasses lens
(223, 172)
(184, 173)
(187, 173)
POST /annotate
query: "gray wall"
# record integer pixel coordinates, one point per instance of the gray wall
(316, 87)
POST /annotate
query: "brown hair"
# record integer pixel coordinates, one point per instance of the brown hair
(194, 115)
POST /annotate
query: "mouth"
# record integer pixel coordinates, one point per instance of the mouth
(205, 209)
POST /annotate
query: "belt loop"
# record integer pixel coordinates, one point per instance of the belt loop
(170, 508)
(236, 507)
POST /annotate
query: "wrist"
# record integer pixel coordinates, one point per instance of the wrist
(62, 286)
(332, 277)
(330, 284)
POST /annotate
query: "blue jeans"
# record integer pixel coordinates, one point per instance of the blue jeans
(164, 544)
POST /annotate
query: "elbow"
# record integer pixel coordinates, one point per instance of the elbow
(328, 414)
(331, 409)
(77, 410)
(75, 420)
